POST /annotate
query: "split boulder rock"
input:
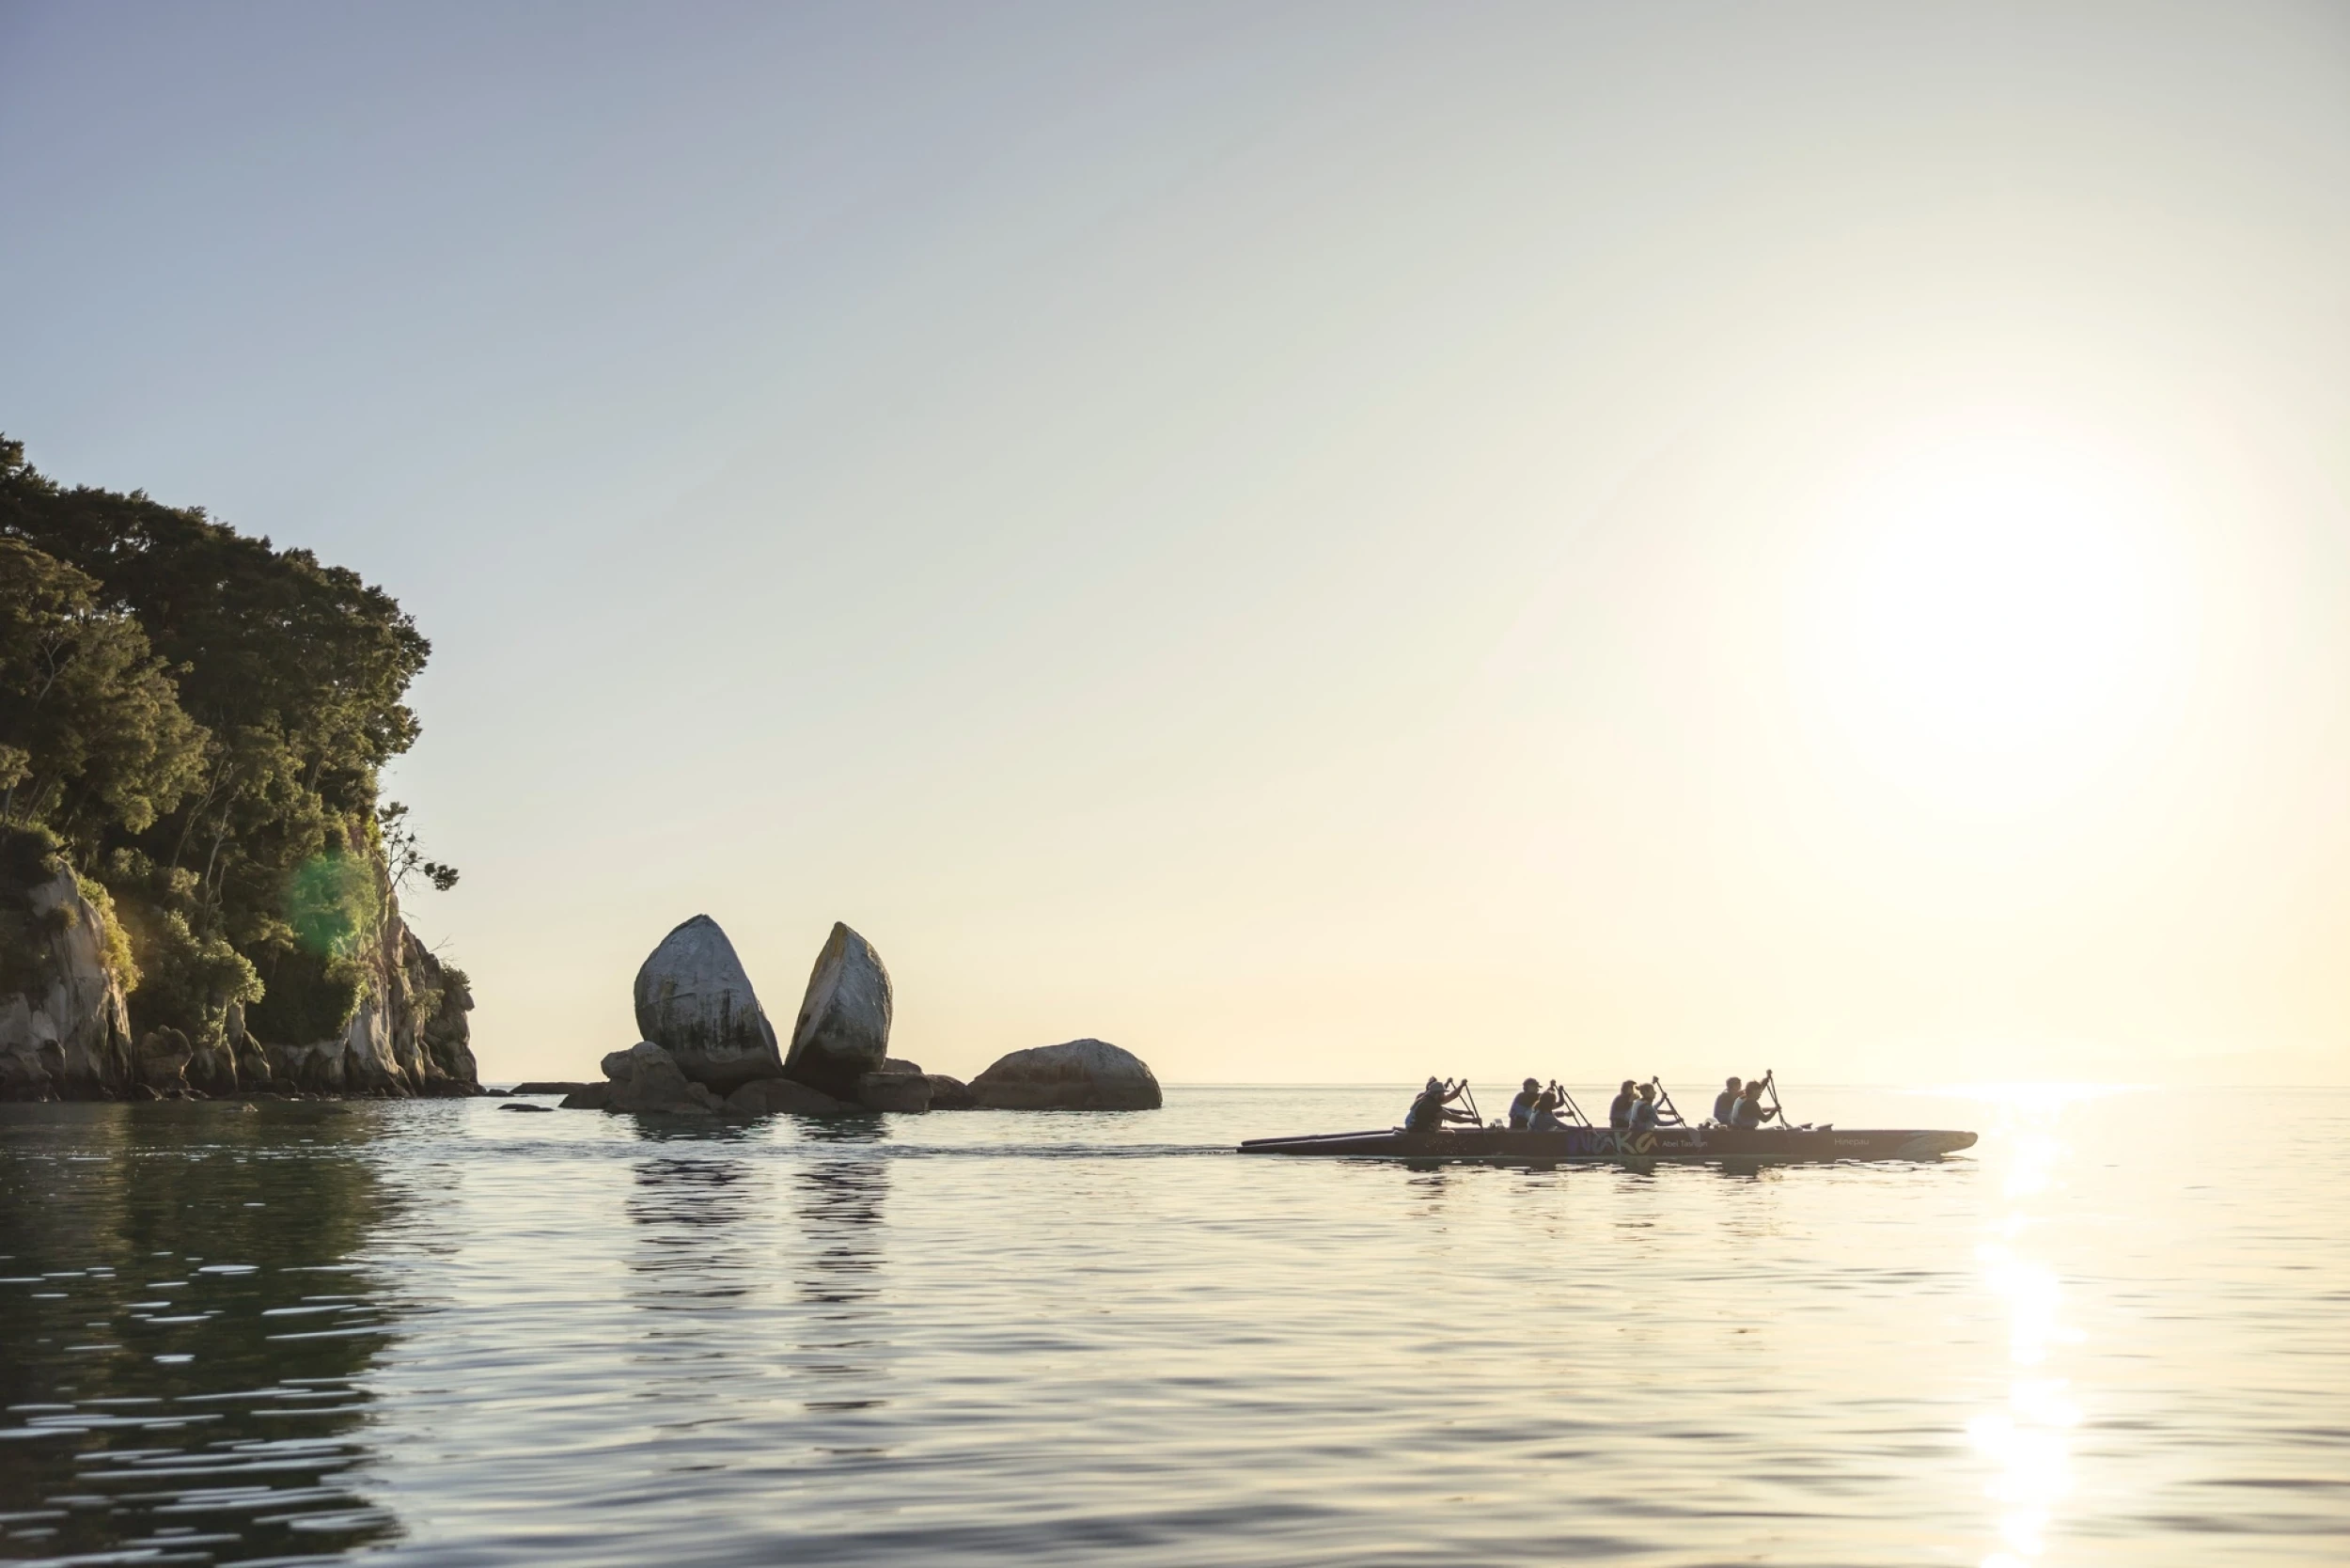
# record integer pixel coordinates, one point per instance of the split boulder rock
(843, 1028)
(695, 1002)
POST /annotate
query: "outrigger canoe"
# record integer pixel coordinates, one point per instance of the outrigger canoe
(1685, 1145)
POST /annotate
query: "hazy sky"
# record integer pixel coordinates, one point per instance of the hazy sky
(1310, 541)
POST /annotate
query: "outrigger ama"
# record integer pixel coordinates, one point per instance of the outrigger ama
(1429, 1138)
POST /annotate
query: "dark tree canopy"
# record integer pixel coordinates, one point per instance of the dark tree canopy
(95, 740)
(198, 718)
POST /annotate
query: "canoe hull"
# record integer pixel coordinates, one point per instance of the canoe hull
(1681, 1145)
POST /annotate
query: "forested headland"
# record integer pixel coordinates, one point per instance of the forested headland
(192, 723)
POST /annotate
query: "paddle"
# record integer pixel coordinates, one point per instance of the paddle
(1568, 1100)
(1665, 1096)
(1770, 1081)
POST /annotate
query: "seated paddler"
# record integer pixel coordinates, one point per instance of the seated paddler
(1543, 1118)
(1522, 1109)
(1620, 1108)
(1433, 1109)
(1751, 1111)
(1726, 1103)
(1646, 1116)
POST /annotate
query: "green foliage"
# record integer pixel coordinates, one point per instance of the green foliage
(333, 905)
(114, 943)
(404, 858)
(95, 740)
(188, 977)
(199, 719)
(308, 996)
(28, 857)
(32, 858)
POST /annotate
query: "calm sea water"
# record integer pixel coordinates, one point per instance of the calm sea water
(2116, 1333)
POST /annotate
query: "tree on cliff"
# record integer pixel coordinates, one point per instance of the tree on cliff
(96, 739)
(201, 718)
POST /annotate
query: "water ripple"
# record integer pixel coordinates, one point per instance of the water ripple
(418, 1331)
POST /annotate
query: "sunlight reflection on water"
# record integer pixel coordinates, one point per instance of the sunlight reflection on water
(2030, 1440)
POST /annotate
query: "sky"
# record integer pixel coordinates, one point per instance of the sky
(1314, 542)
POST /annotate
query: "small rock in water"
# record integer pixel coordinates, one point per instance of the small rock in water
(695, 1002)
(1082, 1075)
(525, 1107)
(588, 1097)
(769, 1096)
(546, 1088)
(843, 1028)
(950, 1093)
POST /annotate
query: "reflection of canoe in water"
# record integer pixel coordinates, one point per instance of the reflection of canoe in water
(1686, 1145)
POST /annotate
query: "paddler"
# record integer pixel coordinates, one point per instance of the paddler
(1429, 1113)
(1646, 1116)
(1544, 1117)
(1522, 1109)
(1620, 1108)
(1751, 1111)
(1726, 1103)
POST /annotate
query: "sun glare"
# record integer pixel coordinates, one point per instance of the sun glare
(1991, 618)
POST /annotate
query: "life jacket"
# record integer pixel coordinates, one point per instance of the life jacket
(1643, 1114)
(1725, 1107)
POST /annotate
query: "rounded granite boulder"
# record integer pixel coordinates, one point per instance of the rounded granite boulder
(644, 1077)
(894, 1091)
(950, 1093)
(772, 1096)
(695, 1002)
(945, 1093)
(1082, 1075)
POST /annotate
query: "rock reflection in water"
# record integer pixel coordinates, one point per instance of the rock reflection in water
(839, 1197)
(754, 1271)
(842, 1344)
(187, 1335)
(689, 1205)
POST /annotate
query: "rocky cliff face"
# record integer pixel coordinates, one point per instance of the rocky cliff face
(409, 1036)
(65, 1025)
